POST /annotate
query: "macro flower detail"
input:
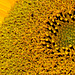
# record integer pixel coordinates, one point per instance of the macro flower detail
(37, 37)
(5, 6)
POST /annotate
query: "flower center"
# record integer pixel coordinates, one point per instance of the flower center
(66, 35)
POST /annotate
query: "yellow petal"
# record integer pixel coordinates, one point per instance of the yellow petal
(5, 6)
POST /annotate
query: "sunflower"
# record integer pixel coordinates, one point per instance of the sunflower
(38, 38)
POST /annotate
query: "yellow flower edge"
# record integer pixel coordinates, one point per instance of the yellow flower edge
(5, 6)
